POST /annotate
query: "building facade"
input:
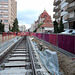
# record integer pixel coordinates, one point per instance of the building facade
(66, 9)
(43, 24)
(71, 13)
(22, 28)
(8, 13)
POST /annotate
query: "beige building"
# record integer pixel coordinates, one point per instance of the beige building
(22, 28)
(66, 9)
(8, 13)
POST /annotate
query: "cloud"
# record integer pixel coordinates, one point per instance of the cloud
(27, 16)
(29, 10)
(27, 25)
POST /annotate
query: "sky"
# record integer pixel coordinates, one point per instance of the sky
(28, 11)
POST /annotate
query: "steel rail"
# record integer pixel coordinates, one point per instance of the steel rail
(31, 57)
(9, 50)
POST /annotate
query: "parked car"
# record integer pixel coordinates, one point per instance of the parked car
(69, 31)
(73, 32)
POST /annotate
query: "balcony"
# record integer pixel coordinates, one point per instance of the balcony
(71, 7)
(57, 15)
(66, 17)
(54, 16)
(56, 9)
(57, 2)
(69, 18)
(69, 1)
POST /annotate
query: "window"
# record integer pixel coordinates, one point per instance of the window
(0, 5)
(47, 21)
(5, 5)
(45, 16)
(0, 15)
(6, 25)
(6, 21)
(0, 10)
(5, 15)
(5, 0)
(5, 10)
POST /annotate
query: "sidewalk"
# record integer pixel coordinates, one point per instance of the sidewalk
(6, 38)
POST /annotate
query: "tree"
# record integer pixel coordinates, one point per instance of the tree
(61, 25)
(15, 27)
(55, 27)
(9, 28)
(1, 27)
(38, 27)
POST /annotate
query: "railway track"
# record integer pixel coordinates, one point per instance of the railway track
(21, 60)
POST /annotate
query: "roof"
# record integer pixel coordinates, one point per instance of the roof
(47, 25)
(45, 14)
(48, 20)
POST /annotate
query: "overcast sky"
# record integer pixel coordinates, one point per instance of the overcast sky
(29, 10)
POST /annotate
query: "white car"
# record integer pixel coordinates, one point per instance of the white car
(73, 32)
(69, 31)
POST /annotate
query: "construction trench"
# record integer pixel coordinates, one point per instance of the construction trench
(23, 59)
(66, 62)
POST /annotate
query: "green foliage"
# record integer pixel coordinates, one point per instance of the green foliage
(9, 28)
(60, 28)
(56, 27)
(61, 25)
(38, 27)
(1, 27)
(35, 30)
(15, 27)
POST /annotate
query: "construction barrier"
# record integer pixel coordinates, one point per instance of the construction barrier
(66, 42)
(10, 35)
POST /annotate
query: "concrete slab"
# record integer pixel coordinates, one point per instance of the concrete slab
(13, 58)
(14, 71)
(19, 51)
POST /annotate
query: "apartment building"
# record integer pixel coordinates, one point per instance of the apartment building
(8, 13)
(71, 13)
(66, 9)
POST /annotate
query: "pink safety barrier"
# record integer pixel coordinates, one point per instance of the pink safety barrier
(53, 39)
(39, 35)
(67, 42)
(46, 37)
